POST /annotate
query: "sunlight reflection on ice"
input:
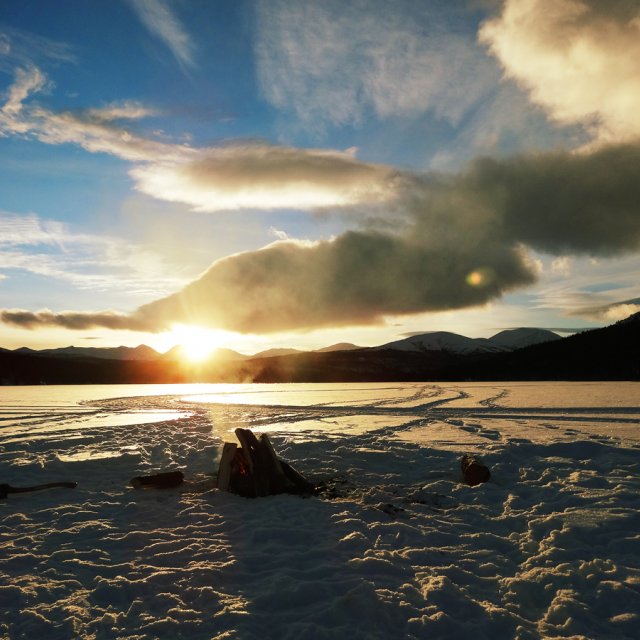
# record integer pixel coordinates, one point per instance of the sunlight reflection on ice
(334, 427)
(326, 394)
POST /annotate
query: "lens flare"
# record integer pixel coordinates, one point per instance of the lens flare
(479, 277)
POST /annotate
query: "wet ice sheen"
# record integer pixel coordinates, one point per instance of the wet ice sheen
(548, 548)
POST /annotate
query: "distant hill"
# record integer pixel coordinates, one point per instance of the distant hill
(508, 340)
(511, 339)
(176, 354)
(442, 341)
(340, 346)
(23, 368)
(610, 353)
(433, 341)
(141, 352)
(271, 353)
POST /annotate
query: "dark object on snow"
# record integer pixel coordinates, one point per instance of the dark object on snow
(392, 510)
(254, 469)
(6, 489)
(166, 480)
(334, 487)
(473, 472)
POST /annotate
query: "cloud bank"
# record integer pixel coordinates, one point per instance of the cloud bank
(610, 312)
(458, 241)
(355, 279)
(77, 320)
(565, 203)
(579, 59)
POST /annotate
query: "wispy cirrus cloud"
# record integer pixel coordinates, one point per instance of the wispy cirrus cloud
(27, 80)
(126, 110)
(589, 287)
(52, 249)
(24, 48)
(97, 130)
(258, 175)
(159, 18)
(334, 62)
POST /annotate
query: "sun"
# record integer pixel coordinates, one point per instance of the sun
(196, 343)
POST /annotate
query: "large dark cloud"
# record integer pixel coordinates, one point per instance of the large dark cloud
(563, 202)
(458, 241)
(459, 244)
(354, 279)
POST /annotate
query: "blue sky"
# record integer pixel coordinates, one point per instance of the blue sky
(302, 173)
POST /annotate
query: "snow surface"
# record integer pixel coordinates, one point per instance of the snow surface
(548, 548)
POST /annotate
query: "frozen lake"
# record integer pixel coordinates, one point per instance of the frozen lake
(548, 548)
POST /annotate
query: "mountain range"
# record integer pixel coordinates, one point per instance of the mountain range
(507, 340)
(609, 353)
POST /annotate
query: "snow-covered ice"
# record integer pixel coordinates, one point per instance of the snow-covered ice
(548, 548)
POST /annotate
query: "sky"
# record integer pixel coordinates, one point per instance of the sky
(296, 174)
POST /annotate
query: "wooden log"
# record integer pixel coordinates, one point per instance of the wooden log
(165, 480)
(275, 475)
(241, 481)
(245, 437)
(271, 454)
(250, 447)
(298, 481)
(6, 489)
(224, 468)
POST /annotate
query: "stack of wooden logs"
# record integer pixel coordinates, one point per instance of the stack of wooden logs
(253, 469)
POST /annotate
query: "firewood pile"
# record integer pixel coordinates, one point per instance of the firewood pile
(253, 469)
